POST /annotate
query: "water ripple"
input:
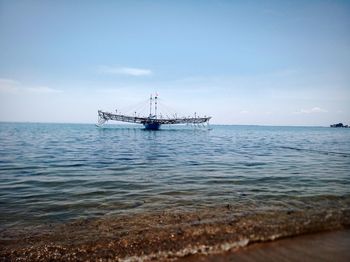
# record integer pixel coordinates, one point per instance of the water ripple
(61, 171)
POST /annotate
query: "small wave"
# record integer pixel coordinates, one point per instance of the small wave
(174, 234)
(201, 249)
(317, 151)
(68, 165)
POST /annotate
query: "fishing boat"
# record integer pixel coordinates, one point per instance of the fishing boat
(152, 121)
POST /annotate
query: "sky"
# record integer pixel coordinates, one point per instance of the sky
(241, 62)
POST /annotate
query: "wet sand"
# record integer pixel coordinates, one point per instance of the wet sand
(329, 246)
(167, 235)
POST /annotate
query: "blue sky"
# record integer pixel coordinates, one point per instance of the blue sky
(243, 62)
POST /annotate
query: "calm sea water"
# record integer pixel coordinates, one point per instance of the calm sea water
(62, 172)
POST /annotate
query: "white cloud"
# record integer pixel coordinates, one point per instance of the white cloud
(129, 71)
(313, 110)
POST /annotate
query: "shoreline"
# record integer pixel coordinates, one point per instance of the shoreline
(323, 246)
(166, 235)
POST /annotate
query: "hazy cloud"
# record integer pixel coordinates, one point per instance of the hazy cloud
(8, 85)
(15, 87)
(311, 111)
(8, 81)
(42, 90)
(129, 71)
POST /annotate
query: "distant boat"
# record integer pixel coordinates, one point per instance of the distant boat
(152, 121)
(339, 125)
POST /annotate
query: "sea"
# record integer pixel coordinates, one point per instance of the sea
(269, 181)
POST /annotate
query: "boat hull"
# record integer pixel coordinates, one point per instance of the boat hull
(152, 126)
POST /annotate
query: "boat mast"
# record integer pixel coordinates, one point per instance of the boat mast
(150, 106)
(155, 104)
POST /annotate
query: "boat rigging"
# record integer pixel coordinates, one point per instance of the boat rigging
(152, 121)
